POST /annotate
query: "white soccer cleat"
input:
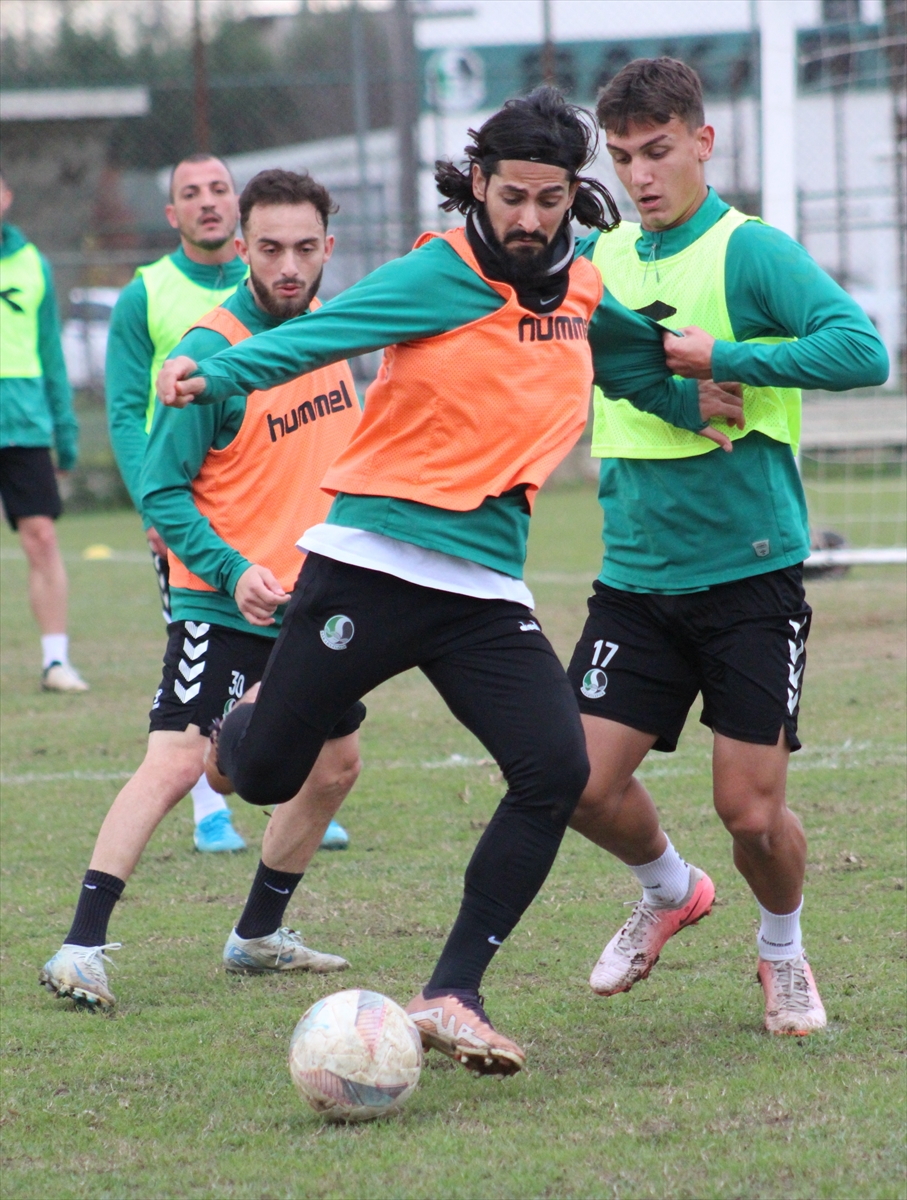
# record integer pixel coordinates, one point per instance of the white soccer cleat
(792, 1002)
(282, 950)
(61, 677)
(633, 951)
(78, 971)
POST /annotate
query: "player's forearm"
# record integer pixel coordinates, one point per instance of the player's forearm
(53, 364)
(189, 535)
(629, 363)
(775, 289)
(127, 383)
(128, 440)
(423, 294)
(833, 359)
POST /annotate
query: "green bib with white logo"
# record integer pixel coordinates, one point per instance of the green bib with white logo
(22, 288)
(692, 283)
(175, 303)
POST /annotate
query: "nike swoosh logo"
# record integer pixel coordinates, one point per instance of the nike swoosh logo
(494, 941)
(545, 303)
(92, 887)
(279, 891)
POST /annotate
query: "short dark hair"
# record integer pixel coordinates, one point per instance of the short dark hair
(650, 91)
(277, 186)
(201, 156)
(541, 127)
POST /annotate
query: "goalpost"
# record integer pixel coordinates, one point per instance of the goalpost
(853, 462)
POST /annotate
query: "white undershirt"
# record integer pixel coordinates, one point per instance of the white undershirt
(428, 568)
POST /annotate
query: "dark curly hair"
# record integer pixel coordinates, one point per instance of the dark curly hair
(276, 186)
(541, 127)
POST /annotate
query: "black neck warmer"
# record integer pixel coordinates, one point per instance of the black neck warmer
(541, 290)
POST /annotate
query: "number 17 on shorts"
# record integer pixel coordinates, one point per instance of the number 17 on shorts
(595, 681)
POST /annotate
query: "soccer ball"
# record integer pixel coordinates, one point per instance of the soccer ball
(355, 1055)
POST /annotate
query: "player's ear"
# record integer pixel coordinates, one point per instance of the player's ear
(479, 183)
(328, 246)
(170, 214)
(241, 248)
(706, 138)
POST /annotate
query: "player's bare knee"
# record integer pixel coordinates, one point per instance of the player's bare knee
(39, 539)
(755, 826)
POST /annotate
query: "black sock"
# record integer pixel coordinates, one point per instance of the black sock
(466, 955)
(269, 896)
(99, 894)
(507, 868)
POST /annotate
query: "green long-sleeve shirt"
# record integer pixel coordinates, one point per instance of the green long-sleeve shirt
(130, 353)
(426, 293)
(38, 412)
(686, 524)
(177, 445)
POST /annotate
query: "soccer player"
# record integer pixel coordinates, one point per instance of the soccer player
(229, 487)
(483, 389)
(35, 413)
(701, 587)
(151, 315)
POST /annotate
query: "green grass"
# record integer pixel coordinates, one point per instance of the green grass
(669, 1091)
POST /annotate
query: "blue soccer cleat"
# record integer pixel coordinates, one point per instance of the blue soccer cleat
(335, 837)
(215, 834)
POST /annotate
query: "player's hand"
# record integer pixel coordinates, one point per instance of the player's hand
(174, 387)
(258, 593)
(690, 355)
(720, 400)
(156, 542)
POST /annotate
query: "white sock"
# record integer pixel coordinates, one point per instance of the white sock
(779, 937)
(665, 881)
(205, 800)
(54, 648)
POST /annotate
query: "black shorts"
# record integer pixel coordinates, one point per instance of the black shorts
(28, 483)
(207, 668)
(643, 658)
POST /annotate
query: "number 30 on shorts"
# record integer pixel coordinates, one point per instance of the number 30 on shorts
(595, 681)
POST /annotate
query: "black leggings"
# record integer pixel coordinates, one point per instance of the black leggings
(348, 629)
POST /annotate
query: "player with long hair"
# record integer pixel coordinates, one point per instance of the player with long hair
(483, 389)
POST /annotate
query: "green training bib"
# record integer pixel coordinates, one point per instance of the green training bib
(175, 303)
(22, 288)
(692, 282)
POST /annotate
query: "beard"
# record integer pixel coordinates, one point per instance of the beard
(208, 243)
(274, 306)
(205, 243)
(526, 264)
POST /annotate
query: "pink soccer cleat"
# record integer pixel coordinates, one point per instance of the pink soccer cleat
(456, 1024)
(792, 1002)
(633, 951)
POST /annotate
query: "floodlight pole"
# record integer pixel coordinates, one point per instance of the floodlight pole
(549, 73)
(405, 105)
(361, 119)
(201, 126)
(778, 84)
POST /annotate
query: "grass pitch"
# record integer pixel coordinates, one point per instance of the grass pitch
(671, 1090)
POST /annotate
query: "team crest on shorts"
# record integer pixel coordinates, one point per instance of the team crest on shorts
(338, 632)
(595, 684)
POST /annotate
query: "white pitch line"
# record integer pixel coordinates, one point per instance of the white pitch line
(132, 557)
(58, 776)
(822, 758)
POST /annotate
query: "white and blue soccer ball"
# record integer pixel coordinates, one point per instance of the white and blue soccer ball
(355, 1055)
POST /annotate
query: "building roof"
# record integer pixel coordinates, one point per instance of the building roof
(73, 104)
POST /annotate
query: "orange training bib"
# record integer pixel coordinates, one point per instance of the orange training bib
(472, 413)
(262, 491)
